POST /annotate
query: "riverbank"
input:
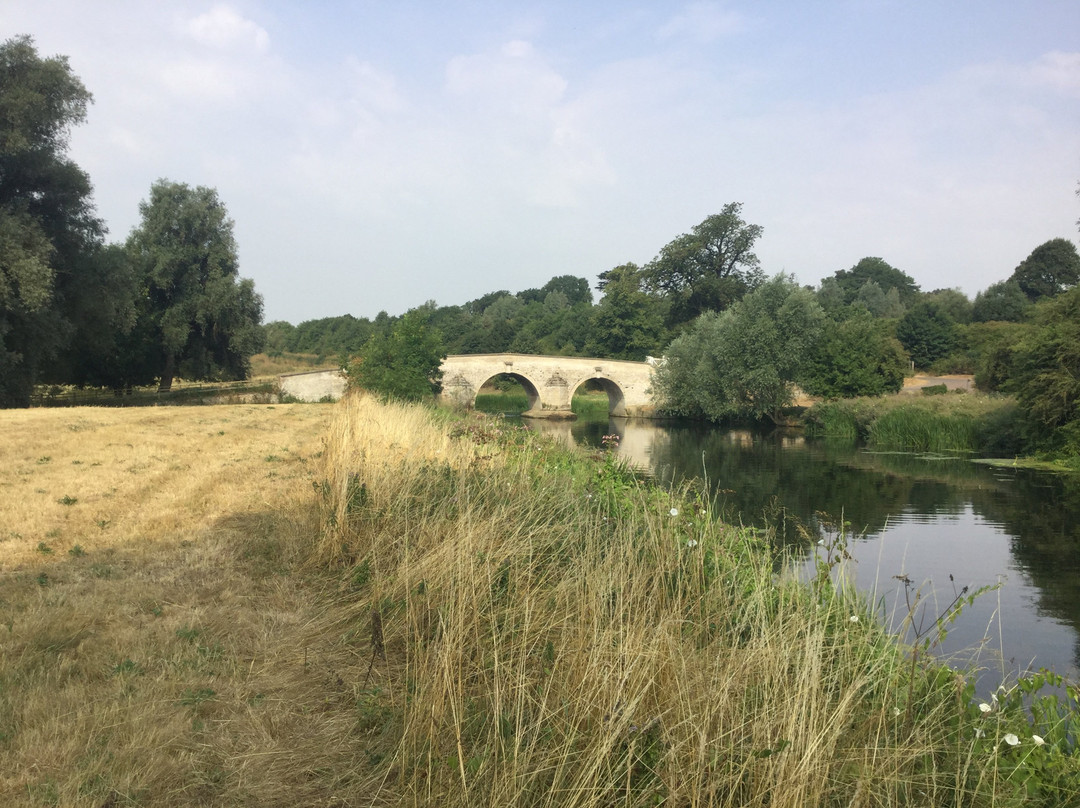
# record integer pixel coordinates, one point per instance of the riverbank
(380, 604)
(975, 423)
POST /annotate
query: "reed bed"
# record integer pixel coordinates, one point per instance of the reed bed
(950, 423)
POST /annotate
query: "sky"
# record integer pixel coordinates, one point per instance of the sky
(378, 155)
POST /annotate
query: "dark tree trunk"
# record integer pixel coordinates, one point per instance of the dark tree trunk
(167, 373)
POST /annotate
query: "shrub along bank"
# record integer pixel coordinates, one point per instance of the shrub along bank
(541, 628)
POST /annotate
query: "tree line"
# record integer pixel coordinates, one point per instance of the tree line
(75, 309)
(168, 301)
(737, 343)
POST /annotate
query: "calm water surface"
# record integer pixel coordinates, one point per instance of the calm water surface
(943, 522)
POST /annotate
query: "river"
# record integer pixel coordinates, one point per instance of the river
(941, 522)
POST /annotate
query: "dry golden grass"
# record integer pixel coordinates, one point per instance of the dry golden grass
(187, 523)
(264, 365)
(107, 478)
(348, 605)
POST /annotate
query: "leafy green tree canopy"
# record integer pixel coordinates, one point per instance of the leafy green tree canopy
(1046, 371)
(708, 268)
(1003, 301)
(1051, 268)
(954, 302)
(743, 362)
(927, 333)
(879, 303)
(47, 221)
(856, 355)
(575, 289)
(405, 363)
(628, 323)
(205, 317)
(887, 277)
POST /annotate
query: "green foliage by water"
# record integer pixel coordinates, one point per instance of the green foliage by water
(928, 333)
(1046, 374)
(742, 362)
(982, 424)
(502, 401)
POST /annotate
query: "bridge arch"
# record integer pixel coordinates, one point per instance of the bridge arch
(532, 395)
(616, 397)
(550, 381)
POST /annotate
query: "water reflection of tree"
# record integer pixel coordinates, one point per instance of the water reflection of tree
(767, 480)
(1041, 512)
(761, 480)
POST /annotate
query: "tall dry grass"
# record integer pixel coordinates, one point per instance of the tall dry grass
(394, 608)
(549, 634)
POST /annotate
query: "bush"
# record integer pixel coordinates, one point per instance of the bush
(404, 364)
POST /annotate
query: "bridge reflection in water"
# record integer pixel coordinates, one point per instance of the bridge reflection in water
(641, 440)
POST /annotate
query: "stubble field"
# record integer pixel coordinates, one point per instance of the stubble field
(150, 599)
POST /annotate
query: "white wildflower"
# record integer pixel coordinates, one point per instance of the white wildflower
(896, 711)
(984, 707)
(1011, 739)
(980, 733)
(1039, 741)
(853, 619)
(674, 511)
(692, 543)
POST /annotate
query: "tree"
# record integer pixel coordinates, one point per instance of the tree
(993, 344)
(102, 304)
(856, 355)
(204, 319)
(953, 302)
(877, 302)
(576, 290)
(627, 323)
(743, 362)
(1046, 371)
(708, 268)
(1003, 301)
(404, 364)
(927, 333)
(48, 230)
(1051, 268)
(887, 277)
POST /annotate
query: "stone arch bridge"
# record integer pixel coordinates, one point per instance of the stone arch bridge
(550, 381)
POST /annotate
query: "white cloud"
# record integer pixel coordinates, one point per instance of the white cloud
(199, 79)
(224, 28)
(702, 22)
(515, 78)
(373, 88)
(1057, 71)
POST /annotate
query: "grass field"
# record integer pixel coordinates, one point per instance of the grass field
(372, 604)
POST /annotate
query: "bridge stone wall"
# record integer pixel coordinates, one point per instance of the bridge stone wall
(550, 381)
(314, 385)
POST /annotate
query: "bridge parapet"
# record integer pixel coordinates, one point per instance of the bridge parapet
(550, 381)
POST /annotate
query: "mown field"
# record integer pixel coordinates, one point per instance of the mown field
(370, 604)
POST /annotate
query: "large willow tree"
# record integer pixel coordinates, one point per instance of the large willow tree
(201, 319)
